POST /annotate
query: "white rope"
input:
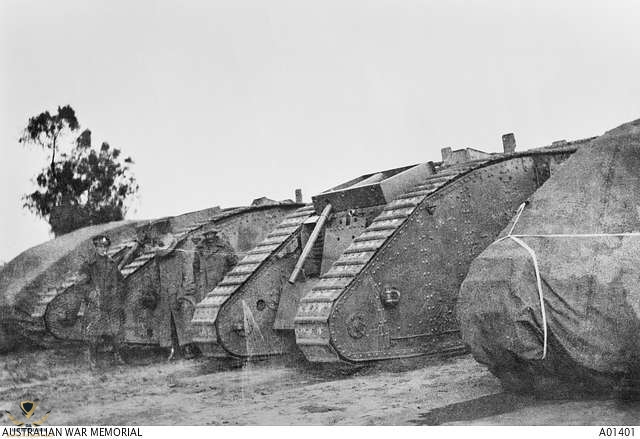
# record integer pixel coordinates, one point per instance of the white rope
(518, 213)
(540, 296)
(576, 235)
(532, 253)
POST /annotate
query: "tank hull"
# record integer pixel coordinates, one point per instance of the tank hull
(233, 319)
(419, 245)
(399, 302)
(146, 274)
(40, 289)
(29, 282)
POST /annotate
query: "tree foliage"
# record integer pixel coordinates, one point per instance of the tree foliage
(82, 187)
(46, 129)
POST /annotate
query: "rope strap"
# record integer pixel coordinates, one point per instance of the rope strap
(516, 238)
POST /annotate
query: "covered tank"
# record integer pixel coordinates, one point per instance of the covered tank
(41, 305)
(371, 269)
(553, 306)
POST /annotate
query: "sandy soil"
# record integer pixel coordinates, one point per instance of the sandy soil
(150, 391)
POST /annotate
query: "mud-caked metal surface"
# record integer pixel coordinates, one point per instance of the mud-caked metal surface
(392, 292)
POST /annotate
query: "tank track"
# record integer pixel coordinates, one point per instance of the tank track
(40, 306)
(146, 256)
(204, 318)
(31, 319)
(313, 335)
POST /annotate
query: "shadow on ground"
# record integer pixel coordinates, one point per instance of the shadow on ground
(483, 407)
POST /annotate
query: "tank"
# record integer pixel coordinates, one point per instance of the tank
(551, 307)
(33, 278)
(41, 304)
(371, 269)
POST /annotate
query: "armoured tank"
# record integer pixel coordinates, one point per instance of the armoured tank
(34, 277)
(41, 288)
(371, 269)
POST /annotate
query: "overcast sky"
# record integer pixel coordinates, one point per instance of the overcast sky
(221, 102)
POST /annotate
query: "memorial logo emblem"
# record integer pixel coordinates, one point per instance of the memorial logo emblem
(28, 409)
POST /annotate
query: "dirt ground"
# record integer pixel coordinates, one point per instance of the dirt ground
(151, 391)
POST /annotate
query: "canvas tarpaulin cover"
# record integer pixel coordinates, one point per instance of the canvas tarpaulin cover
(583, 229)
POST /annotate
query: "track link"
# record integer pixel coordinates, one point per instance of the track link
(313, 333)
(204, 318)
(312, 319)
